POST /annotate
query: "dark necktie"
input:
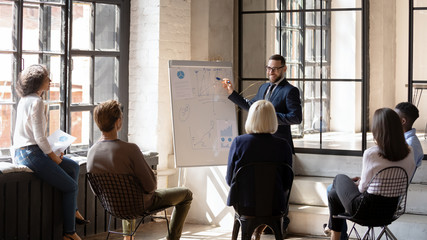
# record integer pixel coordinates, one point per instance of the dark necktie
(269, 91)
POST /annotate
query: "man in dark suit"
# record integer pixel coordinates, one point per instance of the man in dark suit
(284, 97)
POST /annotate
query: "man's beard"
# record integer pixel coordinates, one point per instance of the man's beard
(278, 77)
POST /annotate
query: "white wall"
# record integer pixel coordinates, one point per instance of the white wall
(382, 52)
(166, 30)
(213, 43)
(175, 44)
(144, 74)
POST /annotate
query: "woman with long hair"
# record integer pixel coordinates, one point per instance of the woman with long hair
(391, 150)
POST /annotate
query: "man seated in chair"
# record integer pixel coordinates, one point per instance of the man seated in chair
(113, 155)
(408, 113)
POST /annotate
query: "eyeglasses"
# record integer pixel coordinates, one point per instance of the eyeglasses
(273, 69)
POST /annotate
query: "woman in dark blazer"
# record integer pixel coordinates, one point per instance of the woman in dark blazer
(257, 145)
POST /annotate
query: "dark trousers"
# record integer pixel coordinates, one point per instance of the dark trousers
(343, 197)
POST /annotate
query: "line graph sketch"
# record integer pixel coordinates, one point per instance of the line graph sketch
(203, 83)
(203, 138)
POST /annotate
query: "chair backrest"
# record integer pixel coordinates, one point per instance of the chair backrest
(385, 199)
(120, 194)
(263, 188)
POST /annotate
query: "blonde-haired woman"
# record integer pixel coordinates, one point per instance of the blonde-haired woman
(257, 145)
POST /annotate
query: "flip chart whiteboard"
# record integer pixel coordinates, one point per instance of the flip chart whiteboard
(204, 120)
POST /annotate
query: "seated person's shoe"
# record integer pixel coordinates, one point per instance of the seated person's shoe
(73, 236)
(82, 221)
(268, 230)
(256, 235)
(326, 230)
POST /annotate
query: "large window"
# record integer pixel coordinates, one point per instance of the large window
(83, 44)
(331, 79)
(417, 82)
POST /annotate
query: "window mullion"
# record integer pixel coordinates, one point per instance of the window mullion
(65, 64)
(92, 70)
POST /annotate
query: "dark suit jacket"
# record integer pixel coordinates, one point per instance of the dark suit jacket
(286, 101)
(249, 148)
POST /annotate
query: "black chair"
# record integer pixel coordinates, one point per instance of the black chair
(121, 195)
(271, 185)
(385, 202)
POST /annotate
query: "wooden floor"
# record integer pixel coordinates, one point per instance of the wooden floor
(157, 231)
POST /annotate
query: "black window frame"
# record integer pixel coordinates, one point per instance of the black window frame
(412, 97)
(66, 53)
(365, 69)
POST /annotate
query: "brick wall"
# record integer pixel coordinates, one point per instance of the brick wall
(160, 31)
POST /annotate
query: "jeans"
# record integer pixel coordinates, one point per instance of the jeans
(344, 235)
(181, 198)
(64, 177)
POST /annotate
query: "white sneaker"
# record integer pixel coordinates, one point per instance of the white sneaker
(326, 230)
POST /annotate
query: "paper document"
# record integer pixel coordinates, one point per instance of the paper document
(59, 141)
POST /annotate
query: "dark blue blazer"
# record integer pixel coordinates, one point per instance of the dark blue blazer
(286, 101)
(250, 148)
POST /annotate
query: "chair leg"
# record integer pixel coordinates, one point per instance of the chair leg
(165, 218)
(370, 234)
(109, 223)
(167, 222)
(136, 228)
(381, 234)
(248, 228)
(278, 229)
(385, 230)
(278, 235)
(355, 232)
(121, 233)
(236, 228)
(390, 234)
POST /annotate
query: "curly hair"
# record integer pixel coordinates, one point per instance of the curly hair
(31, 79)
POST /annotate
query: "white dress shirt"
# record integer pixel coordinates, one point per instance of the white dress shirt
(30, 127)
